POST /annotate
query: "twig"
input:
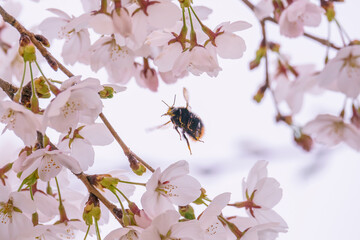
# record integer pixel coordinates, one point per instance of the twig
(317, 39)
(9, 89)
(129, 154)
(91, 189)
(22, 30)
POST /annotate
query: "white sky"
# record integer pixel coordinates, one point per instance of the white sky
(321, 189)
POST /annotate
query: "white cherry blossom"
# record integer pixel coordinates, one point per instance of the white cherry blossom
(79, 142)
(342, 73)
(228, 44)
(262, 193)
(167, 226)
(172, 186)
(332, 130)
(254, 231)
(73, 30)
(78, 102)
(209, 222)
(15, 208)
(48, 163)
(22, 121)
(126, 233)
(298, 14)
(263, 9)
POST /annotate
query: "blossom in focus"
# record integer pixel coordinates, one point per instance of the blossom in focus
(252, 230)
(331, 130)
(48, 163)
(209, 221)
(73, 30)
(15, 208)
(167, 226)
(22, 121)
(262, 193)
(79, 143)
(226, 43)
(342, 73)
(298, 14)
(172, 186)
(126, 233)
(78, 102)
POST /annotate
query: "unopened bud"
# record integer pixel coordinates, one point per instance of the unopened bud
(203, 195)
(35, 104)
(187, 212)
(304, 141)
(126, 219)
(24, 40)
(286, 119)
(43, 40)
(260, 94)
(91, 210)
(134, 208)
(275, 47)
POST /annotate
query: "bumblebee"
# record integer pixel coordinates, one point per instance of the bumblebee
(185, 120)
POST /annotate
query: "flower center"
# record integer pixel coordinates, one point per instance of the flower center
(70, 108)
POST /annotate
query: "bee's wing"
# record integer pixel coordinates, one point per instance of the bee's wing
(157, 127)
(186, 96)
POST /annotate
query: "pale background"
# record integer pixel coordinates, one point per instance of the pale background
(321, 192)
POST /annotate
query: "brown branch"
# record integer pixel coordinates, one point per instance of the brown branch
(116, 212)
(129, 154)
(9, 89)
(317, 39)
(22, 30)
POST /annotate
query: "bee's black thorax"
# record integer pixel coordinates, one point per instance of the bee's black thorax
(188, 121)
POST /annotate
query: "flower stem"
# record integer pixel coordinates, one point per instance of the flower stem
(97, 230)
(18, 93)
(122, 194)
(134, 183)
(87, 232)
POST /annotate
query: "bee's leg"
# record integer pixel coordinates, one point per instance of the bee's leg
(176, 128)
(187, 141)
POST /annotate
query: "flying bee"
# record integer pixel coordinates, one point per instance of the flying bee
(183, 118)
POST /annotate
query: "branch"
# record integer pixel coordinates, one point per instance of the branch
(47, 55)
(317, 39)
(22, 30)
(116, 212)
(9, 89)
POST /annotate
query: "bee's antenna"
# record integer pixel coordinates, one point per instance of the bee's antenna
(165, 103)
(174, 100)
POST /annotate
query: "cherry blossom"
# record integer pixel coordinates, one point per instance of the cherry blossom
(227, 44)
(209, 221)
(127, 233)
(331, 130)
(13, 207)
(48, 163)
(80, 140)
(166, 226)
(22, 121)
(298, 14)
(252, 230)
(172, 186)
(263, 9)
(262, 193)
(73, 30)
(78, 102)
(342, 73)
